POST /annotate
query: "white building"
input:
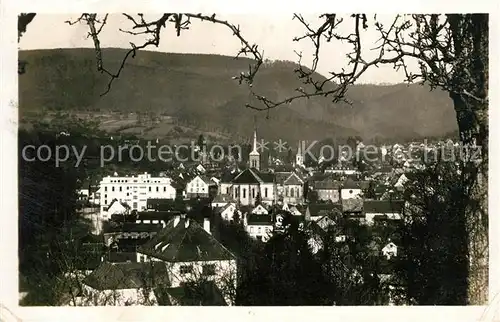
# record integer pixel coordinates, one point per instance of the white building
(134, 190)
(258, 226)
(210, 260)
(198, 187)
(350, 190)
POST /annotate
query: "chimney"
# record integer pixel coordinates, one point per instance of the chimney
(206, 225)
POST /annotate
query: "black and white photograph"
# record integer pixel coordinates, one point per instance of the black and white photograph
(216, 159)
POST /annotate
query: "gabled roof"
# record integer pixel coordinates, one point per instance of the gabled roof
(133, 275)
(383, 206)
(261, 207)
(184, 240)
(293, 179)
(123, 204)
(248, 176)
(253, 176)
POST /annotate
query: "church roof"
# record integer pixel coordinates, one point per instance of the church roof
(253, 176)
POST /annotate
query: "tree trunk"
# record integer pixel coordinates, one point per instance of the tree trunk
(473, 126)
(469, 91)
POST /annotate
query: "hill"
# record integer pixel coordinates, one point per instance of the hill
(196, 92)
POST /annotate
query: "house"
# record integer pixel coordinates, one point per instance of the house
(246, 185)
(327, 189)
(350, 189)
(297, 210)
(388, 209)
(134, 190)
(116, 208)
(222, 200)
(192, 254)
(260, 210)
(199, 187)
(258, 226)
(226, 212)
(128, 283)
(390, 250)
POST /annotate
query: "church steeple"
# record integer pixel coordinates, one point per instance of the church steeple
(254, 156)
(299, 157)
(254, 146)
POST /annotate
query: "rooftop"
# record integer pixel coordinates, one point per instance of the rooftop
(184, 240)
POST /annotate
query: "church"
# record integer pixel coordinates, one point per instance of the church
(251, 184)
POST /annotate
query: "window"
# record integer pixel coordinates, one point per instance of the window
(105, 202)
(105, 196)
(157, 189)
(244, 192)
(164, 189)
(186, 269)
(150, 189)
(253, 192)
(265, 192)
(286, 192)
(105, 188)
(209, 269)
(134, 205)
(112, 188)
(259, 230)
(292, 193)
(227, 190)
(120, 189)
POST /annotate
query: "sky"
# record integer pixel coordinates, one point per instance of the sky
(272, 33)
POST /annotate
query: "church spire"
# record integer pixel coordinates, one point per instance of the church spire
(254, 157)
(254, 147)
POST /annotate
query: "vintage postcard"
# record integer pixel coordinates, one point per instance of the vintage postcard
(252, 160)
